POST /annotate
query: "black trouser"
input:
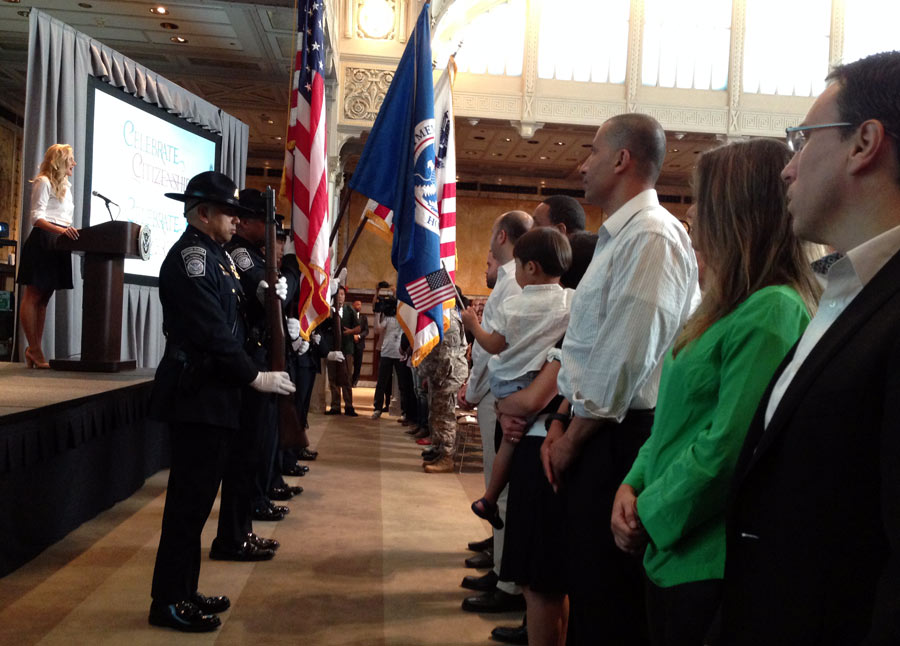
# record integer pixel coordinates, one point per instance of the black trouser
(606, 587)
(384, 387)
(357, 361)
(304, 377)
(267, 447)
(681, 615)
(408, 401)
(198, 458)
(235, 510)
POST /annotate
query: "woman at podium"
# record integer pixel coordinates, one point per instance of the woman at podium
(43, 268)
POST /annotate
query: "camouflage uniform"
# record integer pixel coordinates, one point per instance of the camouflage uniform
(446, 369)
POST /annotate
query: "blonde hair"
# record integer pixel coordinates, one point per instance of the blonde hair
(55, 168)
(743, 232)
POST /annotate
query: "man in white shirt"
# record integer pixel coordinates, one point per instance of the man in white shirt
(507, 229)
(814, 521)
(628, 308)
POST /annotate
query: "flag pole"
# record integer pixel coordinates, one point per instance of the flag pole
(345, 204)
(353, 240)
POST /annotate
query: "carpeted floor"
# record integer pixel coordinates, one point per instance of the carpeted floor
(372, 553)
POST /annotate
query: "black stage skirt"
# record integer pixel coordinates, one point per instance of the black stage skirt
(42, 265)
(535, 546)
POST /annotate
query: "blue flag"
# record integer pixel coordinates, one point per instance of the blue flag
(397, 170)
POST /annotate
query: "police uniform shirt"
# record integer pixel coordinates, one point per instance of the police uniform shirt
(200, 376)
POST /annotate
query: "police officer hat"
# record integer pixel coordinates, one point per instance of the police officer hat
(280, 231)
(255, 203)
(211, 187)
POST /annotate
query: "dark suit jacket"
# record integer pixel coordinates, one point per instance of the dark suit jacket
(814, 522)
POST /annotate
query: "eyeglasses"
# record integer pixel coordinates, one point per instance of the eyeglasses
(796, 136)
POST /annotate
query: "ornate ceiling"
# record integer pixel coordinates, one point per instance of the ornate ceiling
(237, 55)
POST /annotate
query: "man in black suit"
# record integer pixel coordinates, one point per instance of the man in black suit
(814, 524)
(359, 340)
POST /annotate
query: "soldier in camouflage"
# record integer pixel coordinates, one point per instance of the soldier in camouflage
(445, 369)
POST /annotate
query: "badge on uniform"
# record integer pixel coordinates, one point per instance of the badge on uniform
(242, 259)
(194, 261)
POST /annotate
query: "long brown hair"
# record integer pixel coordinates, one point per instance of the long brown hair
(55, 167)
(743, 232)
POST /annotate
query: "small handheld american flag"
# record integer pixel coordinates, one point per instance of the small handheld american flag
(431, 289)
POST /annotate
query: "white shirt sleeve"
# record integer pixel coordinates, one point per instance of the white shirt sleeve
(651, 281)
(40, 197)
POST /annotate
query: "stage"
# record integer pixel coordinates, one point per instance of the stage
(71, 445)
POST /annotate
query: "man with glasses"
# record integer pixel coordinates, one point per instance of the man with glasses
(814, 522)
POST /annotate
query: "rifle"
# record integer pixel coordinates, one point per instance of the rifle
(291, 432)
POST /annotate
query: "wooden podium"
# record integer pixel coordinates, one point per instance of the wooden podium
(105, 247)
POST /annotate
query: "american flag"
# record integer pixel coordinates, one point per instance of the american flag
(445, 161)
(305, 180)
(431, 289)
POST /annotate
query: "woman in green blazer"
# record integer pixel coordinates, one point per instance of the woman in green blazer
(758, 293)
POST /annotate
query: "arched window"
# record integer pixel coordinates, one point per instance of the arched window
(584, 40)
(786, 47)
(686, 44)
(493, 41)
(870, 26)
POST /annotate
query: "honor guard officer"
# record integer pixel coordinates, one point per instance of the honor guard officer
(235, 540)
(198, 392)
(260, 413)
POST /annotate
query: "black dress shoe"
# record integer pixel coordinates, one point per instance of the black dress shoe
(494, 601)
(263, 543)
(280, 509)
(297, 470)
(211, 605)
(183, 616)
(481, 546)
(246, 552)
(333, 411)
(510, 635)
(349, 412)
(482, 583)
(267, 514)
(306, 454)
(481, 561)
(284, 493)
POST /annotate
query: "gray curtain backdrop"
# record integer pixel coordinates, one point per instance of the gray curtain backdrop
(60, 59)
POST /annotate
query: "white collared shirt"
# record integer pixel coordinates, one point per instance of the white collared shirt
(45, 205)
(532, 322)
(628, 309)
(845, 280)
(506, 286)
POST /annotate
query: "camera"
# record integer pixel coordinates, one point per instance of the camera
(385, 304)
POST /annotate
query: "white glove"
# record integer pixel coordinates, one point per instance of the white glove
(273, 382)
(293, 329)
(300, 346)
(340, 279)
(280, 289)
(335, 355)
(316, 338)
(289, 245)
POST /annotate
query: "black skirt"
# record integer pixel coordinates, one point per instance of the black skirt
(42, 265)
(534, 547)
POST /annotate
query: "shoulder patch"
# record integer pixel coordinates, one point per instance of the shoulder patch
(242, 259)
(194, 261)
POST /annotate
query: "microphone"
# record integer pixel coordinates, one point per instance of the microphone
(104, 198)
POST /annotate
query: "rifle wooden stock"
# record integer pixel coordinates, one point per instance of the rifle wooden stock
(291, 432)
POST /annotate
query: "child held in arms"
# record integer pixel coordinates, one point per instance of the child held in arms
(528, 326)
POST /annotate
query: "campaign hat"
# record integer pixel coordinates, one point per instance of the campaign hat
(213, 187)
(255, 203)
